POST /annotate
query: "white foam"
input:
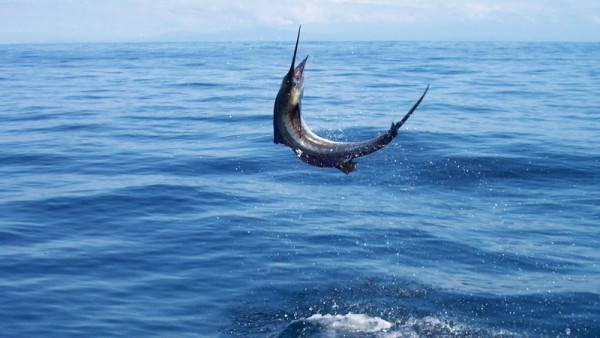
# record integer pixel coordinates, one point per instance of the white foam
(436, 325)
(355, 323)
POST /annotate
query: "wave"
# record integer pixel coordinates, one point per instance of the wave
(457, 161)
(362, 325)
(376, 308)
(337, 325)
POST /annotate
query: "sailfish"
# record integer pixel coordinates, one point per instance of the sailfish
(289, 127)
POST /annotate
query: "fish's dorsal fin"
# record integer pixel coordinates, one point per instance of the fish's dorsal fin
(277, 138)
(347, 167)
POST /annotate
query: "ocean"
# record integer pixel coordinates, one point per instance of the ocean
(141, 193)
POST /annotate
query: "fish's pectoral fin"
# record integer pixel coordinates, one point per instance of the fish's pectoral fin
(346, 167)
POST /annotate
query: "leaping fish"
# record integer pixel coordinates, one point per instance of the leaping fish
(289, 127)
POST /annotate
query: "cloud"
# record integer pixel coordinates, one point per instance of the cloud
(477, 11)
(147, 20)
(331, 12)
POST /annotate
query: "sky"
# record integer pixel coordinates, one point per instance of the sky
(51, 21)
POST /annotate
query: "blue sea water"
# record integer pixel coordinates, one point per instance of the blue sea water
(141, 193)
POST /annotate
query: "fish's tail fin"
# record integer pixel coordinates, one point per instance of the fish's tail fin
(396, 126)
